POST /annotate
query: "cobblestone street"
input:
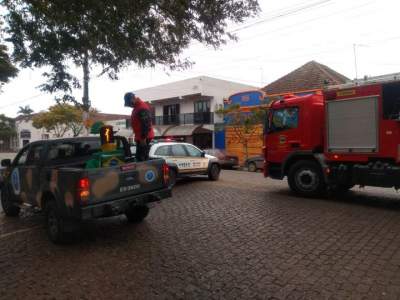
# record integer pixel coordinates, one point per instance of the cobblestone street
(243, 237)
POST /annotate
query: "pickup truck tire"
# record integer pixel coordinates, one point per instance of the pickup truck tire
(9, 208)
(305, 178)
(54, 224)
(137, 214)
(213, 173)
(172, 177)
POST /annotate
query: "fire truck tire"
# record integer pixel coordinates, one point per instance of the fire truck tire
(9, 209)
(306, 179)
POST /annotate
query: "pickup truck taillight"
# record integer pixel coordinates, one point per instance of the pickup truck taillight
(166, 173)
(83, 189)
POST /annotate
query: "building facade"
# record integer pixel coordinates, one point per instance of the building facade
(185, 110)
(27, 133)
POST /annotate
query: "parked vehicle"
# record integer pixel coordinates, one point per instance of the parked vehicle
(186, 160)
(253, 164)
(348, 135)
(225, 161)
(51, 176)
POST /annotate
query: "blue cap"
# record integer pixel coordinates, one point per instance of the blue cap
(128, 99)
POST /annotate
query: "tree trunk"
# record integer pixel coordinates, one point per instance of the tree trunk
(85, 98)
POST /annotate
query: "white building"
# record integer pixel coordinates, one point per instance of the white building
(26, 133)
(185, 109)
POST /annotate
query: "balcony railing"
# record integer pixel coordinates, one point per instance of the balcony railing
(185, 119)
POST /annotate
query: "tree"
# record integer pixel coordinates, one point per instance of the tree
(7, 69)
(245, 124)
(7, 127)
(25, 111)
(60, 118)
(112, 34)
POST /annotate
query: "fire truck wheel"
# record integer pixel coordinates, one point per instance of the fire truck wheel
(305, 178)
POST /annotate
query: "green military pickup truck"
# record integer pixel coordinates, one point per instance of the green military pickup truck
(52, 176)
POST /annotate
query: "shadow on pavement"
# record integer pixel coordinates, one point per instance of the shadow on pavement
(376, 198)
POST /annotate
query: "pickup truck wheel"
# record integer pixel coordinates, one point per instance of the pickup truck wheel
(9, 208)
(305, 178)
(172, 177)
(137, 214)
(213, 173)
(54, 224)
(252, 167)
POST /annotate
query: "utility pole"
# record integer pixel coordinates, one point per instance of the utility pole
(355, 59)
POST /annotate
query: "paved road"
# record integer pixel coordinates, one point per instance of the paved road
(240, 238)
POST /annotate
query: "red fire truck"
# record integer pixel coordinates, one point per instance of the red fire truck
(344, 136)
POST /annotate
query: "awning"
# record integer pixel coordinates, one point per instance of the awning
(159, 130)
(185, 130)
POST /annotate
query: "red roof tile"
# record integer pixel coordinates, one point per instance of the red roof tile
(310, 76)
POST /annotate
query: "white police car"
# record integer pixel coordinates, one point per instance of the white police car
(185, 160)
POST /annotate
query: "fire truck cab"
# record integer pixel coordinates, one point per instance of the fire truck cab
(344, 136)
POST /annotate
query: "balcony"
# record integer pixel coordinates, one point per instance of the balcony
(185, 119)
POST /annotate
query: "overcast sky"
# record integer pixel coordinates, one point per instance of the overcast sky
(285, 35)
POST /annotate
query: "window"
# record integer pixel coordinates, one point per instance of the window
(171, 114)
(69, 150)
(283, 119)
(21, 159)
(391, 101)
(202, 106)
(45, 136)
(25, 134)
(162, 151)
(34, 155)
(178, 150)
(193, 152)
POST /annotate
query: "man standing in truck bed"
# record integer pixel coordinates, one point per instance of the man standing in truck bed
(141, 125)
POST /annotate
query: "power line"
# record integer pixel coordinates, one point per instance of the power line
(21, 101)
(294, 11)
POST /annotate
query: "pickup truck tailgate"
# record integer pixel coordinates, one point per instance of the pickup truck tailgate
(124, 181)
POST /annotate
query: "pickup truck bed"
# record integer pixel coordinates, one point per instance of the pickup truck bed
(69, 193)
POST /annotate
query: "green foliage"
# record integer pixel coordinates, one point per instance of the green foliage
(113, 34)
(25, 111)
(60, 118)
(7, 126)
(95, 129)
(7, 69)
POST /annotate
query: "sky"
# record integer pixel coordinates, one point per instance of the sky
(284, 36)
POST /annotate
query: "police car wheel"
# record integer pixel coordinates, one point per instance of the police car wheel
(54, 224)
(213, 173)
(9, 209)
(137, 214)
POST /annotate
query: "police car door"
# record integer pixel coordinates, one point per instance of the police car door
(198, 161)
(181, 158)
